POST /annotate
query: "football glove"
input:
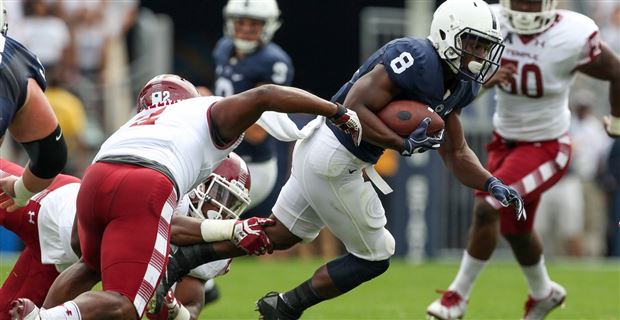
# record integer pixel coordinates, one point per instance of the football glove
(347, 121)
(506, 196)
(419, 142)
(249, 235)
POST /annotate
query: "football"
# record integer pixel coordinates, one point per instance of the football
(404, 116)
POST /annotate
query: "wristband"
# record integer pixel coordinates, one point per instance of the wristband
(217, 230)
(22, 195)
(340, 110)
(614, 125)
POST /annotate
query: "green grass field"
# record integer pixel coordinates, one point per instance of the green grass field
(405, 290)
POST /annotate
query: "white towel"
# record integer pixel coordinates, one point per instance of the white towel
(281, 127)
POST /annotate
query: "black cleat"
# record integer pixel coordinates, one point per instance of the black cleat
(272, 307)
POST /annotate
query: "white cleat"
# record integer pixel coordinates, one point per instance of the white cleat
(24, 309)
(538, 309)
(450, 306)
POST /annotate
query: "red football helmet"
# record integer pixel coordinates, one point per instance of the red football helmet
(165, 89)
(227, 187)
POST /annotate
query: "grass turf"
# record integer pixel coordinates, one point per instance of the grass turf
(405, 290)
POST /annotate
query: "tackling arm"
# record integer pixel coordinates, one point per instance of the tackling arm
(459, 158)
(606, 66)
(233, 115)
(369, 94)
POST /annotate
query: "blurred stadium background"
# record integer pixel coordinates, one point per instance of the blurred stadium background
(113, 47)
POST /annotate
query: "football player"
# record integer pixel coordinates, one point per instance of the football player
(327, 188)
(128, 193)
(45, 225)
(26, 113)
(531, 149)
(39, 224)
(245, 58)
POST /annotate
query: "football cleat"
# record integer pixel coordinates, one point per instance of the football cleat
(272, 307)
(24, 309)
(538, 309)
(450, 306)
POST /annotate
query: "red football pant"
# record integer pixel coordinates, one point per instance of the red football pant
(529, 167)
(28, 278)
(124, 214)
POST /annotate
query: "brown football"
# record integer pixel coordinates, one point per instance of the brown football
(404, 116)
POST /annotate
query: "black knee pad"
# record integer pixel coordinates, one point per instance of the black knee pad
(349, 271)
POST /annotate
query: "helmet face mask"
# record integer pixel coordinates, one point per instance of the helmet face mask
(4, 25)
(165, 89)
(479, 55)
(466, 35)
(225, 194)
(266, 11)
(528, 16)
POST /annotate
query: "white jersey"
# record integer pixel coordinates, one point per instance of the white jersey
(208, 270)
(534, 106)
(176, 136)
(55, 223)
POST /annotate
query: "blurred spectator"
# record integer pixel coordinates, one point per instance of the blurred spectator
(47, 36)
(572, 214)
(69, 110)
(611, 30)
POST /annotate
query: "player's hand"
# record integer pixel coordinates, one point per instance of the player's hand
(419, 142)
(503, 76)
(506, 196)
(249, 235)
(612, 126)
(8, 199)
(347, 121)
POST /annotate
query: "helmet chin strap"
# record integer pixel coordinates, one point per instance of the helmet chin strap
(245, 46)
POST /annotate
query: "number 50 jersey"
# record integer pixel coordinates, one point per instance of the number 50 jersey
(534, 105)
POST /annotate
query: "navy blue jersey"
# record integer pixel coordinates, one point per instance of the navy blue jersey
(269, 64)
(17, 65)
(414, 66)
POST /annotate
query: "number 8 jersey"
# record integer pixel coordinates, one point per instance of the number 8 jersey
(533, 106)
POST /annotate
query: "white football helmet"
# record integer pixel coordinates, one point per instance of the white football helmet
(456, 22)
(227, 187)
(523, 22)
(4, 25)
(264, 10)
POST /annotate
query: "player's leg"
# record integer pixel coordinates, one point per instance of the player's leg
(547, 163)
(28, 279)
(72, 282)
(320, 192)
(134, 244)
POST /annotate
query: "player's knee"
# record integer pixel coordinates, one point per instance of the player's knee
(349, 271)
(518, 241)
(484, 213)
(113, 305)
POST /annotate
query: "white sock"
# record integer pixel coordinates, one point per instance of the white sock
(66, 311)
(538, 279)
(467, 275)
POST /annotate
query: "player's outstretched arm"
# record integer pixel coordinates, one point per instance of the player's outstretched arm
(234, 114)
(606, 66)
